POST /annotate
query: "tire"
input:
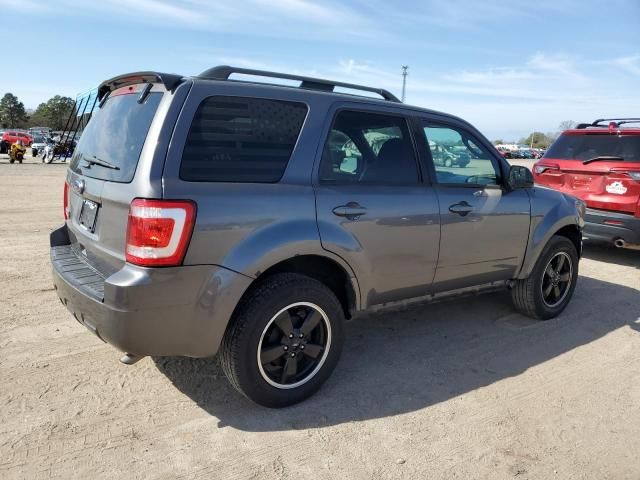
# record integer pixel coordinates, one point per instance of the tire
(282, 299)
(528, 295)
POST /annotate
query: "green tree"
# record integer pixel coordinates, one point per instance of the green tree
(38, 117)
(540, 140)
(12, 112)
(55, 112)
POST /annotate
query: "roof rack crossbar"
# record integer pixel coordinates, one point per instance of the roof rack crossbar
(616, 120)
(598, 122)
(223, 72)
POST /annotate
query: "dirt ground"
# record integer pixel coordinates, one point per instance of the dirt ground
(464, 389)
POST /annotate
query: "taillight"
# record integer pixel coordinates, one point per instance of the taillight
(541, 168)
(65, 201)
(634, 174)
(159, 231)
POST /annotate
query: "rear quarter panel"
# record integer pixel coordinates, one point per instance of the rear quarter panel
(249, 227)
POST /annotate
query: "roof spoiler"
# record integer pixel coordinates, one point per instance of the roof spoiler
(223, 72)
(169, 80)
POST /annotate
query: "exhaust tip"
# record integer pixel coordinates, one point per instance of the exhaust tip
(130, 358)
(619, 243)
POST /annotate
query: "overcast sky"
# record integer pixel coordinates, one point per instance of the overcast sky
(509, 67)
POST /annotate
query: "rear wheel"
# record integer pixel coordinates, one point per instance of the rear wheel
(549, 288)
(284, 340)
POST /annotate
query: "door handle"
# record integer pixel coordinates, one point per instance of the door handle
(351, 210)
(461, 208)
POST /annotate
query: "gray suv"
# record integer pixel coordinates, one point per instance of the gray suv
(210, 215)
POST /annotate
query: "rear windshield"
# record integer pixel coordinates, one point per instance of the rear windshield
(584, 147)
(115, 135)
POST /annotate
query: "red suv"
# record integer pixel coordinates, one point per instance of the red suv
(599, 163)
(11, 137)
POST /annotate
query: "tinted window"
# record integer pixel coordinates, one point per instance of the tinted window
(115, 134)
(369, 148)
(458, 157)
(235, 139)
(587, 146)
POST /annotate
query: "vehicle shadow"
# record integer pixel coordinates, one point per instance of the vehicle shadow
(603, 252)
(406, 360)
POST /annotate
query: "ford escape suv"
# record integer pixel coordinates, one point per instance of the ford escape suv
(210, 215)
(599, 163)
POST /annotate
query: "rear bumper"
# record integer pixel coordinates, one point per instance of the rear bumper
(148, 311)
(595, 227)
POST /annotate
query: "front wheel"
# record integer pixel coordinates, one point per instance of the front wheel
(549, 288)
(284, 341)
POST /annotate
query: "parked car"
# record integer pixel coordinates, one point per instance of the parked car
(251, 219)
(39, 131)
(599, 163)
(38, 144)
(12, 136)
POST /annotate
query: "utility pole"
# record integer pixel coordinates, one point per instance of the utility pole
(404, 80)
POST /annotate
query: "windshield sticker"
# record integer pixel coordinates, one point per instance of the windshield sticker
(616, 187)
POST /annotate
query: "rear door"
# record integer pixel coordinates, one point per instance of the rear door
(373, 208)
(600, 168)
(485, 227)
(112, 164)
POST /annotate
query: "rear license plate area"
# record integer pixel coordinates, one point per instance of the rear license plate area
(88, 213)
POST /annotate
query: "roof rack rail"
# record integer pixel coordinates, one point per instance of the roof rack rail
(223, 72)
(617, 121)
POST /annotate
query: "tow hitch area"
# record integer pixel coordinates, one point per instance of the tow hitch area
(130, 358)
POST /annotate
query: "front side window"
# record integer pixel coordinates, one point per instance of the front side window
(458, 157)
(369, 148)
(237, 139)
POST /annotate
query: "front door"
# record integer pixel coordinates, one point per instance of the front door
(373, 208)
(485, 226)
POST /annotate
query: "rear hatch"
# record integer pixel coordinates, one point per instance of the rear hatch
(109, 168)
(602, 168)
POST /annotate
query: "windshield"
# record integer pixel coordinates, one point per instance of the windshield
(115, 135)
(588, 146)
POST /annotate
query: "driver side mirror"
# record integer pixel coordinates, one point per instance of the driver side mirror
(520, 177)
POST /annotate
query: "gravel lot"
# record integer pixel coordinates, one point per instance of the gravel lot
(464, 389)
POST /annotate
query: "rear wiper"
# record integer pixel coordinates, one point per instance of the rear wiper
(103, 163)
(603, 158)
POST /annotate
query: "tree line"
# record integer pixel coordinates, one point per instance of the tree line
(539, 139)
(53, 113)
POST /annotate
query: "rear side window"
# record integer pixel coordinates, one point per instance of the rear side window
(115, 136)
(237, 139)
(587, 146)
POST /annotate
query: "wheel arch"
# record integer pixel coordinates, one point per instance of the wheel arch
(564, 229)
(333, 273)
